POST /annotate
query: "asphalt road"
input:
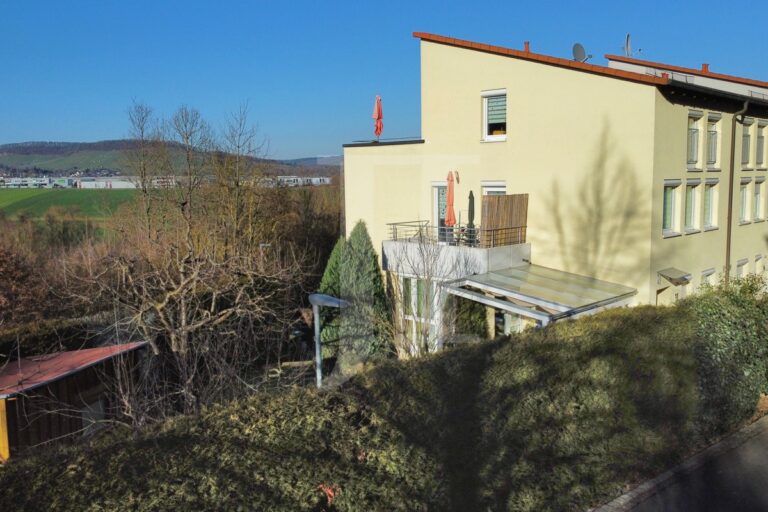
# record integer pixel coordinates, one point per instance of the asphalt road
(736, 480)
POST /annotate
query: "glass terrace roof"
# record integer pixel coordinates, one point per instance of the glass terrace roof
(555, 289)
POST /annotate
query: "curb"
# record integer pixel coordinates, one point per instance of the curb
(628, 501)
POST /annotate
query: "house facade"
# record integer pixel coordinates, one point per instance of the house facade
(636, 174)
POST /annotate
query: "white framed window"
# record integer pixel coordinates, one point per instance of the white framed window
(744, 200)
(493, 188)
(757, 200)
(691, 208)
(760, 146)
(746, 143)
(710, 204)
(420, 308)
(707, 276)
(670, 217)
(495, 115)
(713, 139)
(694, 119)
(741, 267)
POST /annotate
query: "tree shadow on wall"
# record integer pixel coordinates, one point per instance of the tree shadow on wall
(600, 226)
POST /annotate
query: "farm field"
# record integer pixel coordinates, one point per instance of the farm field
(92, 204)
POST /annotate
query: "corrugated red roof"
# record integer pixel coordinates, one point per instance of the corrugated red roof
(28, 373)
(704, 71)
(545, 59)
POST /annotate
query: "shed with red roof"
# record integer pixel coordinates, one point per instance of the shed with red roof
(53, 396)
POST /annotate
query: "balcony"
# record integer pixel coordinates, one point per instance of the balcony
(418, 248)
(459, 235)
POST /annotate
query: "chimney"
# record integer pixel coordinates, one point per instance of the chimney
(665, 75)
(527, 47)
(705, 68)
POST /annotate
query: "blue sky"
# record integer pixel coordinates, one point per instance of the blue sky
(310, 70)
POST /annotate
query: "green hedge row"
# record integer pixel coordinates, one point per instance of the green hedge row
(731, 349)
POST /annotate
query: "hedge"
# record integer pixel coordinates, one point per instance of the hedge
(560, 418)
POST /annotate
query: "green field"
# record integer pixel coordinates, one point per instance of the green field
(92, 204)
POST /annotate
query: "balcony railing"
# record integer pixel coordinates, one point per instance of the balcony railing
(459, 235)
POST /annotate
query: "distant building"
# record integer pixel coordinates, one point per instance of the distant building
(49, 397)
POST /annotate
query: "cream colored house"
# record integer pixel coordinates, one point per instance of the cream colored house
(643, 181)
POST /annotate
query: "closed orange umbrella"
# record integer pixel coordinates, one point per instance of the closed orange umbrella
(450, 216)
(378, 116)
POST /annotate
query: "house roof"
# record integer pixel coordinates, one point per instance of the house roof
(704, 71)
(545, 59)
(29, 373)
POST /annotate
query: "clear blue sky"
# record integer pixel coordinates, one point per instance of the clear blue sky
(310, 70)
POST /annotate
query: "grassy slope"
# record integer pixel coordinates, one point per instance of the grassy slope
(557, 419)
(80, 159)
(94, 204)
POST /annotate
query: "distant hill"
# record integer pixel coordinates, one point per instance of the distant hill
(106, 158)
(316, 161)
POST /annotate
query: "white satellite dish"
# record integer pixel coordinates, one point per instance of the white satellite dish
(579, 54)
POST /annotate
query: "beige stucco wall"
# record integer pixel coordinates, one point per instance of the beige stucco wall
(581, 145)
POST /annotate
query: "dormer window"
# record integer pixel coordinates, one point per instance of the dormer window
(495, 115)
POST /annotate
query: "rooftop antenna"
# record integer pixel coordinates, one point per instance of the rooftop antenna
(628, 46)
(579, 54)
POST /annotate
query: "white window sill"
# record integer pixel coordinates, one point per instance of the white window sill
(761, 169)
(692, 231)
(758, 220)
(670, 234)
(711, 228)
(713, 169)
(494, 138)
(744, 222)
(747, 168)
(693, 168)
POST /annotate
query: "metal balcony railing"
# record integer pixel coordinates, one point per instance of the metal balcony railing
(459, 235)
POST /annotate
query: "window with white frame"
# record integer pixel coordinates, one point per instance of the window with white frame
(760, 145)
(707, 276)
(494, 188)
(757, 200)
(693, 139)
(744, 200)
(419, 308)
(712, 142)
(746, 143)
(741, 267)
(710, 204)
(495, 115)
(691, 191)
(670, 223)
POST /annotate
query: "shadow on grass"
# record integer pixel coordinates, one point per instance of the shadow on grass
(556, 419)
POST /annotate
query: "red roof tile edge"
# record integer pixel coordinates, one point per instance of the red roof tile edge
(52, 367)
(545, 59)
(704, 72)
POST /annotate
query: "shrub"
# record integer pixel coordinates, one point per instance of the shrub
(330, 285)
(730, 351)
(363, 324)
(44, 337)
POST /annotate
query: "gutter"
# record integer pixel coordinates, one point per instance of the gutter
(731, 176)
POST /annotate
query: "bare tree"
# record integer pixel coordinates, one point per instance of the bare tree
(419, 268)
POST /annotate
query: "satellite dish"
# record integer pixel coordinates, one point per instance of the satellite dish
(628, 46)
(579, 54)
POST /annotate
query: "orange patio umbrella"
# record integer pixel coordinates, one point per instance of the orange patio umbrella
(450, 215)
(378, 116)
